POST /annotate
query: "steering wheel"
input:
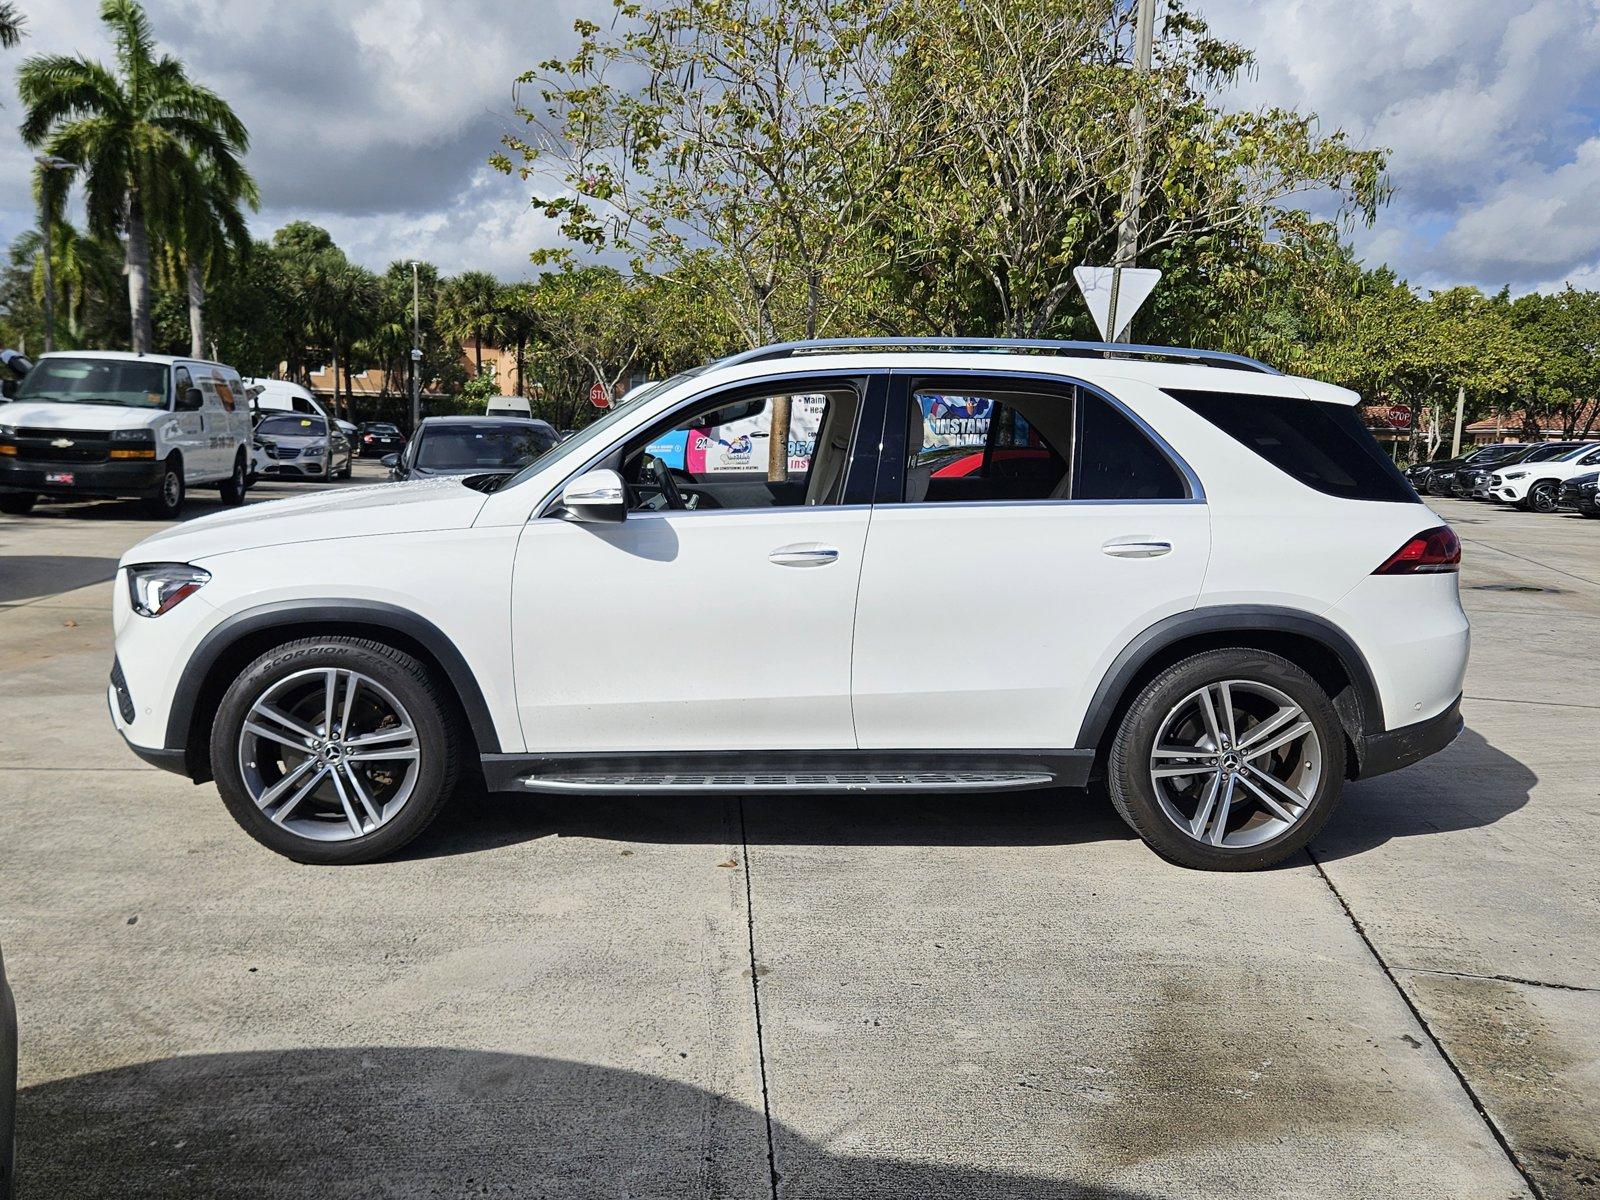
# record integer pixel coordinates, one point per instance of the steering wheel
(655, 474)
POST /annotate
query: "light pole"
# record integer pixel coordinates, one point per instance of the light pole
(416, 350)
(1128, 229)
(48, 163)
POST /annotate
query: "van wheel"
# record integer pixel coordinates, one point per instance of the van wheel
(167, 501)
(335, 749)
(235, 486)
(17, 503)
(1230, 760)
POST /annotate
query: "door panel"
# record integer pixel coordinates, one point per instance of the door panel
(988, 626)
(680, 631)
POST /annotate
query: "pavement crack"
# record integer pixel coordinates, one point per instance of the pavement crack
(1538, 983)
(755, 994)
(1405, 998)
(1539, 703)
(1531, 561)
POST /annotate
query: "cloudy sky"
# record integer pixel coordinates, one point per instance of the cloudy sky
(374, 117)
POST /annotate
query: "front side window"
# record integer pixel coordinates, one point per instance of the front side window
(767, 450)
(113, 381)
(1324, 446)
(1010, 442)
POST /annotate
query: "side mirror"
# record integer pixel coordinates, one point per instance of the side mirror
(389, 460)
(192, 400)
(596, 497)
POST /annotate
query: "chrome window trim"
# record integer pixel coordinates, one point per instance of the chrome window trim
(1197, 491)
(542, 509)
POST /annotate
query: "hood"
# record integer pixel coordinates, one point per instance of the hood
(382, 508)
(43, 414)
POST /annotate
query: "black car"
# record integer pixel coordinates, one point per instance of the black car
(379, 437)
(472, 446)
(1472, 482)
(8, 1084)
(1581, 494)
(1441, 479)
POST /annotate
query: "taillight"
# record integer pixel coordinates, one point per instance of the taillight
(1431, 552)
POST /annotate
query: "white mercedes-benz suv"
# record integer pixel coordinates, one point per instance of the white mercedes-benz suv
(957, 565)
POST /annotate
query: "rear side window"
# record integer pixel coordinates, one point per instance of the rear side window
(1116, 461)
(1324, 446)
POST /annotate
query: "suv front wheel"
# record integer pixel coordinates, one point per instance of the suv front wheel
(1228, 761)
(334, 749)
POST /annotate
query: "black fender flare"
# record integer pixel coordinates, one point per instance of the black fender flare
(357, 615)
(1228, 618)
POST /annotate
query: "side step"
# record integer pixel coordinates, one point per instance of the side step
(811, 781)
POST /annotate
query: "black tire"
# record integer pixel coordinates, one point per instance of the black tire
(17, 504)
(432, 713)
(1541, 497)
(349, 468)
(1133, 791)
(237, 484)
(167, 500)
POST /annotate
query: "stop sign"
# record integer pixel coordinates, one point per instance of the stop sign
(598, 397)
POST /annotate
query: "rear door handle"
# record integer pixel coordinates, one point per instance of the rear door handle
(1136, 548)
(804, 554)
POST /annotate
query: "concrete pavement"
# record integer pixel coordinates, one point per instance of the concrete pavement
(908, 997)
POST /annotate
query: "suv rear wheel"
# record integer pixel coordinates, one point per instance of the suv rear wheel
(334, 749)
(1228, 761)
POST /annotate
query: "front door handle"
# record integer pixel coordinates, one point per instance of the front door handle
(1136, 548)
(804, 554)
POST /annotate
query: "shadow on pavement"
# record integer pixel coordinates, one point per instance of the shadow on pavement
(29, 576)
(475, 821)
(1468, 785)
(387, 1121)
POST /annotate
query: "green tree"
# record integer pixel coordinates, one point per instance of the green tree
(84, 272)
(140, 136)
(204, 234)
(1561, 386)
(11, 25)
(470, 309)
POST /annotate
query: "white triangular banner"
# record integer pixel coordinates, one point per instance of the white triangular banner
(1095, 284)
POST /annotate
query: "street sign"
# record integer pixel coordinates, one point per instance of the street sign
(1095, 284)
(598, 397)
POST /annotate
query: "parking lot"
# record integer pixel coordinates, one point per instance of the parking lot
(897, 997)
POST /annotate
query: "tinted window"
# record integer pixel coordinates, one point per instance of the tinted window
(1117, 460)
(1324, 446)
(491, 447)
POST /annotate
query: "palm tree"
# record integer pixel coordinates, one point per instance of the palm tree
(205, 231)
(83, 269)
(471, 308)
(140, 135)
(518, 322)
(11, 23)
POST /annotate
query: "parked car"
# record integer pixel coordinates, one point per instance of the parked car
(1581, 494)
(108, 423)
(379, 438)
(301, 447)
(1442, 479)
(8, 1085)
(1473, 482)
(1535, 486)
(1228, 601)
(471, 446)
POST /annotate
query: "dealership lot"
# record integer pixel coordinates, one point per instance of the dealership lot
(900, 997)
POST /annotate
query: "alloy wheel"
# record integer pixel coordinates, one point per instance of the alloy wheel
(329, 754)
(1543, 498)
(1236, 764)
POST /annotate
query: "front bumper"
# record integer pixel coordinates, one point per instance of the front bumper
(1380, 753)
(135, 477)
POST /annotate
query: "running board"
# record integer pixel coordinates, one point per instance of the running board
(855, 781)
(791, 771)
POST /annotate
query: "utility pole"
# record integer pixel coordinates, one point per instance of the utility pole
(416, 350)
(1128, 228)
(1461, 406)
(48, 163)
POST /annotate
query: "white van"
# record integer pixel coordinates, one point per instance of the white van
(508, 406)
(109, 423)
(281, 395)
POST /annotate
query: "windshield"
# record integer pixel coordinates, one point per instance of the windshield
(292, 427)
(127, 383)
(487, 447)
(590, 433)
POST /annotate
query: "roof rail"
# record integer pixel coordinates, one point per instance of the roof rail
(1210, 358)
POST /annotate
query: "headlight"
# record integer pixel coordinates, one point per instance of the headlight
(132, 435)
(1513, 475)
(316, 447)
(157, 587)
(8, 431)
